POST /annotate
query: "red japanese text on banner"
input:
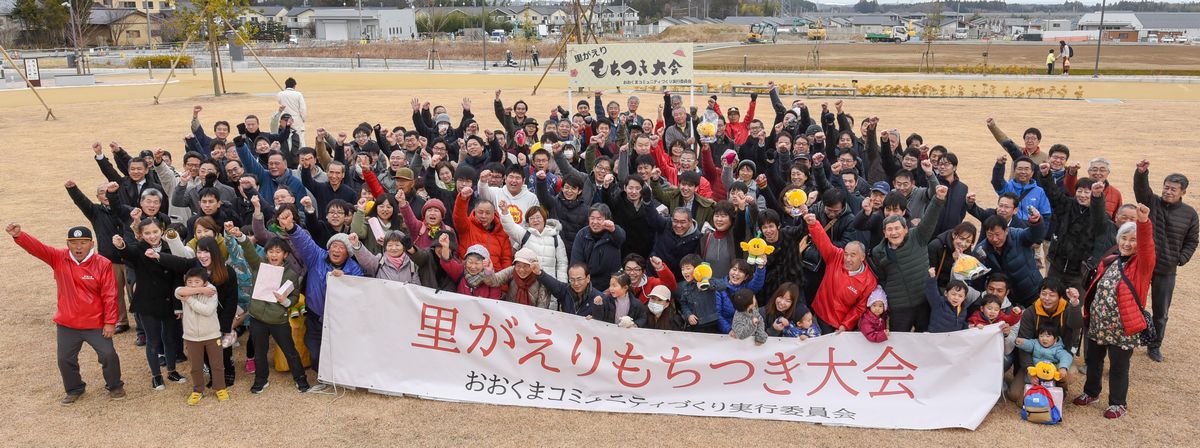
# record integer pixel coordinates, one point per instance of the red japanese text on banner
(406, 339)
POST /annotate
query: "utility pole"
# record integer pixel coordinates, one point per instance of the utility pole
(1099, 39)
(74, 36)
(483, 25)
(362, 32)
(149, 36)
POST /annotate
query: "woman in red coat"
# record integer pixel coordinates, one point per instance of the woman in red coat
(1113, 312)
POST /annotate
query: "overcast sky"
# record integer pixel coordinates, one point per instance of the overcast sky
(892, 2)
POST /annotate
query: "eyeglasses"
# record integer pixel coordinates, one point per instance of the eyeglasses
(577, 279)
(633, 269)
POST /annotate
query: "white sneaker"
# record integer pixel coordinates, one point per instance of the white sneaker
(320, 387)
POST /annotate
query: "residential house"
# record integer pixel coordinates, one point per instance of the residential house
(371, 24)
(262, 14)
(300, 21)
(874, 23)
(120, 27)
(151, 6)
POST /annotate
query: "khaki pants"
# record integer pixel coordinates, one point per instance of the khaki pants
(122, 285)
(195, 353)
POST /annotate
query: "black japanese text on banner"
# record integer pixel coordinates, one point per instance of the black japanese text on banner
(406, 339)
(617, 65)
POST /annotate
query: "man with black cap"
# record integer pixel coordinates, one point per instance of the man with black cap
(283, 124)
(87, 307)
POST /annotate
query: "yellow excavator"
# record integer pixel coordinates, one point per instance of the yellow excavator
(761, 33)
(816, 31)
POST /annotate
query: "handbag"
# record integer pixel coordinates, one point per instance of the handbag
(1150, 334)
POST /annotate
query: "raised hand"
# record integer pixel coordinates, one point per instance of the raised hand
(354, 243)
(14, 229)
(96, 148)
(1143, 213)
(1097, 189)
(196, 110)
(69, 184)
(1143, 165)
(941, 192)
(971, 197)
(1001, 160)
(810, 219)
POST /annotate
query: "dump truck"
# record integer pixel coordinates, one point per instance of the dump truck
(895, 34)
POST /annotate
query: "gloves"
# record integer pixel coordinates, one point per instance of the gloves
(239, 140)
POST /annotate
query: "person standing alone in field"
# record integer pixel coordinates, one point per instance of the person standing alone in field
(294, 105)
(1050, 63)
(87, 307)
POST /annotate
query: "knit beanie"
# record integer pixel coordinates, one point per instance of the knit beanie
(434, 203)
(877, 296)
(339, 238)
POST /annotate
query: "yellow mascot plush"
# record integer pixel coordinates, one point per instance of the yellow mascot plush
(703, 276)
(796, 199)
(757, 250)
(1044, 371)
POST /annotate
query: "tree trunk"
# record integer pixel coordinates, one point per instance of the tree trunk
(212, 48)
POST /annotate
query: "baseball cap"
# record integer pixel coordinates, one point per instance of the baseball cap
(404, 173)
(79, 233)
(881, 187)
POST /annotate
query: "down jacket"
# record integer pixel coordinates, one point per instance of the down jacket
(1176, 227)
(549, 246)
(903, 270)
(1140, 269)
(1016, 261)
(601, 252)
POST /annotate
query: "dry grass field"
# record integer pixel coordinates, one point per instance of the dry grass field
(1142, 59)
(44, 154)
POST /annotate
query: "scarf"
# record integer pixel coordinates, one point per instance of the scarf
(473, 280)
(396, 262)
(523, 285)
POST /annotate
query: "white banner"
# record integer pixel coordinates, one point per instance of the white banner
(405, 339)
(618, 65)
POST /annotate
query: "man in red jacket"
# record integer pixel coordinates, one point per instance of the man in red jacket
(842, 297)
(87, 307)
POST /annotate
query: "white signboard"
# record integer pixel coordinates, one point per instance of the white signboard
(618, 65)
(399, 338)
(31, 70)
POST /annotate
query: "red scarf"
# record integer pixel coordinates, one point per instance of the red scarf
(523, 285)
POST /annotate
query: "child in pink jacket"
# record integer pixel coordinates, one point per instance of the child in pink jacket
(471, 272)
(874, 321)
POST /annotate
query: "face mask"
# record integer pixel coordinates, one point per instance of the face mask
(443, 127)
(797, 110)
(568, 153)
(656, 308)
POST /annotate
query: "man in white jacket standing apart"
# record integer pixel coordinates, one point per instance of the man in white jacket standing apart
(293, 103)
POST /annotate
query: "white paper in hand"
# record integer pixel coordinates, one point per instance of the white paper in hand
(268, 280)
(376, 228)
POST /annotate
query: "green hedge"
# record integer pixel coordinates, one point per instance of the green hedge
(161, 61)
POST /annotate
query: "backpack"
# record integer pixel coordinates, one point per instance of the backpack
(1038, 406)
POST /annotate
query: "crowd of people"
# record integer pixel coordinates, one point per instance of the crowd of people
(605, 211)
